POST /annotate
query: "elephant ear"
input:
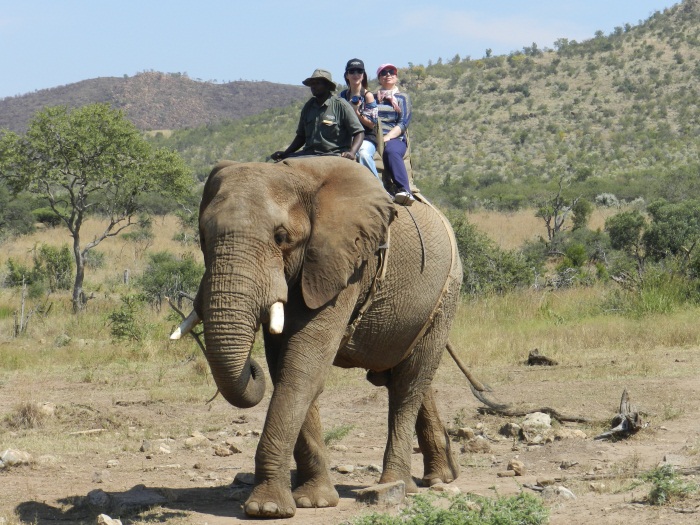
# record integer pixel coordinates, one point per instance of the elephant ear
(350, 218)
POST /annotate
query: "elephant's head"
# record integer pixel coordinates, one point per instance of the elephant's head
(306, 224)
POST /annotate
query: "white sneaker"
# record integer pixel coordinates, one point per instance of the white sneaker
(404, 198)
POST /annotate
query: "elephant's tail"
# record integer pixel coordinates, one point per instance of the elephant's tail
(477, 387)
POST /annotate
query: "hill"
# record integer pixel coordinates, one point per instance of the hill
(616, 114)
(156, 101)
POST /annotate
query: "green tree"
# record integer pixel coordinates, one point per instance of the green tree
(582, 210)
(86, 158)
(625, 231)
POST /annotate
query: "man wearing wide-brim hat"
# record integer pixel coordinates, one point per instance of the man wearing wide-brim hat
(328, 125)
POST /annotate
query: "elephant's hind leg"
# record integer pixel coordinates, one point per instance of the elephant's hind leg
(439, 463)
(408, 382)
(314, 486)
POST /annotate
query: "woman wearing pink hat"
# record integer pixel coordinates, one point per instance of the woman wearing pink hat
(395, 115)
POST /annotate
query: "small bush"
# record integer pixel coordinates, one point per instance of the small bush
(55, 265)
(667, 487)
(523, 509)
(166, 275)
(486, 267)
(336, 433)
(126, 322)
(46, 216)
(25, 416)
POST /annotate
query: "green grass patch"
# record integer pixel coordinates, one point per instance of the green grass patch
(429, 509)
(336, 433)
(667, 486)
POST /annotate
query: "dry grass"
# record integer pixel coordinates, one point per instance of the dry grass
(120, 255)
(510, 230)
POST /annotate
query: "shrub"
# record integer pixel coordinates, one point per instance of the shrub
(125, 322)
(607, 199)
(46, 216)
(55, 265)
(523, 509)
(486, 267)
(167, 275)
(666, 486)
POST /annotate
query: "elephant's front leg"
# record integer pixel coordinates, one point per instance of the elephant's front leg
(299, 365)
(314, 486)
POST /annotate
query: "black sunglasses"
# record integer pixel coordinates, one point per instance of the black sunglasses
(387, 72)
(355, 71)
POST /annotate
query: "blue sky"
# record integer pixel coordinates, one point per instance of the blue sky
(48, 43)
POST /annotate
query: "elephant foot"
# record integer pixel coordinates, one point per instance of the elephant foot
(313, 495)
(270, 500)
(389, 477)
(446, 471)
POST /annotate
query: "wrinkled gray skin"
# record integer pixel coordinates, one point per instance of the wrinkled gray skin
(306, 232)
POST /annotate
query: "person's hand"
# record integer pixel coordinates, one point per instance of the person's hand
(348, 155)
(277, 156)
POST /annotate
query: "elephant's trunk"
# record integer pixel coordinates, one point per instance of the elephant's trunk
(228, 343)
(237, 294)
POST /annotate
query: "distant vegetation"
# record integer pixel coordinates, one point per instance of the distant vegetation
(611, 122)
(156, 101)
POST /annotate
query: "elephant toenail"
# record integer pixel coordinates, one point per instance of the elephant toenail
(304, 503)
(270, 508)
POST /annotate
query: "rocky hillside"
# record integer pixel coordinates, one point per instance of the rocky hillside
(615, 114)
(157, 101)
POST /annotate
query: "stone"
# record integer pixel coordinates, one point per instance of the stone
(516, 466)
(345, 469)
(477, 445)
(377, 469)
(100, 476)
(510, 430)
(196, 439)
(46, 409)
(567, 464)
(136, 499)
(597, 487)
(339, 448)
(545, 482)
(14, 458)
(98, 499)
(244, 478)
(565, 433)
(222, 451)
(383, 494)
(234, 445)
(506, 474)
(537, 421)
(112, 463)
(466, 433)
(557, 492)
(447, 488)
(103, 519)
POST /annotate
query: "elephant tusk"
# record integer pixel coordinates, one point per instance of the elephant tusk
(276, 318)
(186, 326)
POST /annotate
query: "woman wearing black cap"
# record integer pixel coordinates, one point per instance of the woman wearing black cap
(365, 106)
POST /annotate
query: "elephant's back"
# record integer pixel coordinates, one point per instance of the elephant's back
(422, 272)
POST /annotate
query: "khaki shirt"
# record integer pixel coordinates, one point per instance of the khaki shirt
(329, 127)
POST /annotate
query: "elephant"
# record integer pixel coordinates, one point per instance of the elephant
(314, 251)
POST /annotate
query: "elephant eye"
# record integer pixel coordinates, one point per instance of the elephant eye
(280, 236)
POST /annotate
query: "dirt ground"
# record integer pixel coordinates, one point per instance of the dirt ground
(101, 448)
